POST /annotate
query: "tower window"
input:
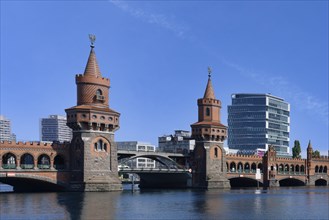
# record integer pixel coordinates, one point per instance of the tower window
(208, 111)
(99, 92)
(100, 146)
(216, 152)
(99, 95)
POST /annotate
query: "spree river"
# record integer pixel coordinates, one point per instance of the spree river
(275, 203)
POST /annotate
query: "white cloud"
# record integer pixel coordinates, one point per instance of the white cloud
(152, 18)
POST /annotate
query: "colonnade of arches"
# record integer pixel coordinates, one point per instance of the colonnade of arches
(321, 169)
(28, 161)
(290, 169)
(240, 167)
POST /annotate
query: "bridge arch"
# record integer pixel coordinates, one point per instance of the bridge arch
(291, 182)
(321, 182)
(28, 182)
(166, 161)
(244, 182)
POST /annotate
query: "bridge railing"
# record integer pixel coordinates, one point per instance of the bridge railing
(27, 166)
(9, 166)
(43, 166)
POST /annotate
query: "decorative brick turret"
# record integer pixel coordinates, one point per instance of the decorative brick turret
(94, 162)
(209, 169)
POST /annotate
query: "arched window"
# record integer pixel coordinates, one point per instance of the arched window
(260, 166)
(253, 167)
(216, 152)
(321, 169)
(207, 111)
(297, 168)
(286, 168)
(246, 168)
(43, 162)
(292, 168)
(316, 169)
(99, 92)
(280, 168)
(325, 169)
(232, 167)
(9, 161)
(240, 167)
(302, 169)
(100, 145)
(59, 162)
(27, 161)
(227, 169)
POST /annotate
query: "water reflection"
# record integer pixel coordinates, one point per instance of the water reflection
(281, 203)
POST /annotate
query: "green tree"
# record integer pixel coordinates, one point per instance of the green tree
(296, 149)
(316, 153)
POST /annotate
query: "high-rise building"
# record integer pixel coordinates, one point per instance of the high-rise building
(256, 121)
(180, 142)
(5, 130)
(54, 128)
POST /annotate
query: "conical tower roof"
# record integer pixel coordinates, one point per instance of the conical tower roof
(309, 144)
(92, 68)
(209, 93)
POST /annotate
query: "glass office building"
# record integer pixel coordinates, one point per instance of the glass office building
(256, 121)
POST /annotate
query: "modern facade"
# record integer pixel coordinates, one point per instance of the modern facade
(54, 128)
(5, 130)
(256, 121)
(179, 142)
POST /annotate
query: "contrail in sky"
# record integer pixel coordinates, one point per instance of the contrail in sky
(280, 85)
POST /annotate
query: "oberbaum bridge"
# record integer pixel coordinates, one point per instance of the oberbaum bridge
(90, 161)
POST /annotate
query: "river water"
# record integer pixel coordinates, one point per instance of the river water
(278, 203)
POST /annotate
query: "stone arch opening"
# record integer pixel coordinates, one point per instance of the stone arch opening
(286, 168)
(302, 169)
(232, 167)
(27, 161)
(321, 182)
(321, 169)
(59, 162)
(280, 170)
(291, 182)
(292, 168)
(297, 168)
(238, 182)
(44, 161)
(253, 167)
(240, 167)
(9, 161)
(260, 166)
(246, 167)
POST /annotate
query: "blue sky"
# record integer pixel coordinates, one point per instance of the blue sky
(156, 54)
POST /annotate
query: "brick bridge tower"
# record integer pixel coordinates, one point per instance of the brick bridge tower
(93, 153)
(209, 162)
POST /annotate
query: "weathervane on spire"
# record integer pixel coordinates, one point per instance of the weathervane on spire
(209, 71)
(92, 39)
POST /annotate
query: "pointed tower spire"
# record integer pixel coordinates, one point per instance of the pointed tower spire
(309, 144)
(209, 93)
(92, 68)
